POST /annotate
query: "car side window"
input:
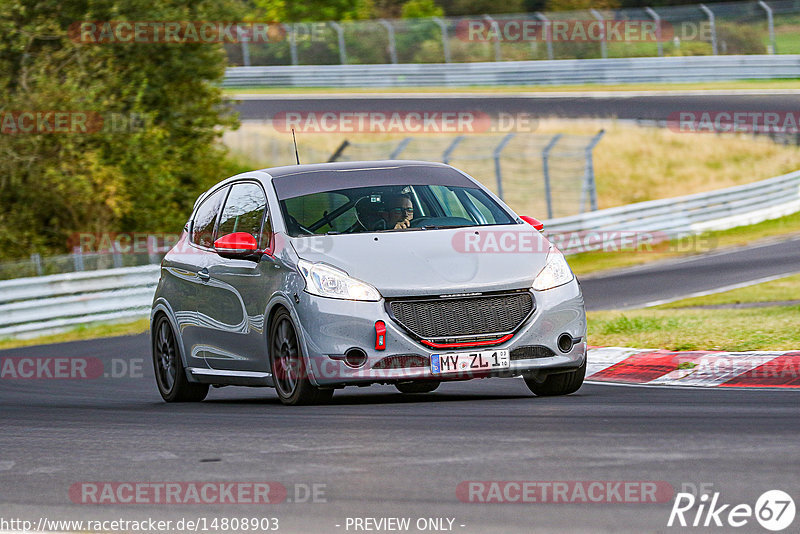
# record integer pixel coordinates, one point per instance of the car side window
(205, 217)
(490, 211)
(244, 212)
(449, 201)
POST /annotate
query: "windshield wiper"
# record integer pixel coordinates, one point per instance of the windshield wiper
(441, 227)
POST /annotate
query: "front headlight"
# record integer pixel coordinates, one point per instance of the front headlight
(327, 281)
(556, 272)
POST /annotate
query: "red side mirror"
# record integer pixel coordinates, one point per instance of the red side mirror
(536, 223)
(237, 245)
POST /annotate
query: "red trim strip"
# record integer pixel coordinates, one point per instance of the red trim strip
(467, 343)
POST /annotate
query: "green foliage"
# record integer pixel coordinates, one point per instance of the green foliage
(575, 5)
(688, 48)
(740, 39)
(415, 9)
(313, 10)
(143, 178)
(455, 8)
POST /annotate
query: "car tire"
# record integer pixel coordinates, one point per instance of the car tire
(289, 367)
(417, 387)
(558, 384)
(168, 366)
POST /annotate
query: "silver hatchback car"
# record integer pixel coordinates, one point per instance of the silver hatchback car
(310, 278)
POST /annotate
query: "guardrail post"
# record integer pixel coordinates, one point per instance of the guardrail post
(292, 42)
(603, 45)
(400, 147)
(245, 47)
(496, 155)
(36, 259)
(449, 150)
(77, 258)
(392, 47)
(771, 26)
(445, 38)
(546, 173)
(116, 258)
(589, 185)
(657, 20)
(548, 33)
(713, 24)
(152, 249)
(496, 27)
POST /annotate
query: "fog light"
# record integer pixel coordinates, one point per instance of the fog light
(565, 343)
(355, 357)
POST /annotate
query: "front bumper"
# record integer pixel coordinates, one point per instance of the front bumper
(331, 327)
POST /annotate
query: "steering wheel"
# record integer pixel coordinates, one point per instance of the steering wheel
(421, 221)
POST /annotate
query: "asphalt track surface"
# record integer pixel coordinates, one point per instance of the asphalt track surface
(382, 454)
(629, 106)
(671, 280)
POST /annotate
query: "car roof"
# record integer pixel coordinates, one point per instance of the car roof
(294, 180)
(287, 170)
(298, 180)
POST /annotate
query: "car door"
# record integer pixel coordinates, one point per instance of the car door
(188, 270)
(234, 299)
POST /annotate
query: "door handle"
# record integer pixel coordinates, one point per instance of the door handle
(203, 275)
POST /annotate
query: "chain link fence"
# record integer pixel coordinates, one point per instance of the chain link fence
(545, 175)
(721, 28)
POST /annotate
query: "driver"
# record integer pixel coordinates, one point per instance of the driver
(400, 211)
(394, 212)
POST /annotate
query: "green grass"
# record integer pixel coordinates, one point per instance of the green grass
(680, 326)
(595, 262)
(783, 289)
(693, 86)
(88, 331)
(772, 328)
(787, 38)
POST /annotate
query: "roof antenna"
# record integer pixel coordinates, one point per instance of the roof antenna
(294, 139)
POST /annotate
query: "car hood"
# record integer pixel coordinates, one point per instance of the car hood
(434, 262)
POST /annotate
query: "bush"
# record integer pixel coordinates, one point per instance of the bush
(142, 179)
(740, 39)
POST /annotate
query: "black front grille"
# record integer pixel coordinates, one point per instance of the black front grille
(530, 352)
(471, 316)
(402, 361)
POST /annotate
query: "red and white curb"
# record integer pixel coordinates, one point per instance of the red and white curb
(695, 368)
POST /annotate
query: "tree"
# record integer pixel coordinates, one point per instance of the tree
(313, 10)
(417, 9)
(575, 5)
(144, 174)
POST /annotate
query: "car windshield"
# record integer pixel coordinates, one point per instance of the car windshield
(391, 208)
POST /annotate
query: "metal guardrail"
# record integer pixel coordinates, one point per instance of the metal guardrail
(43, 304)
(556, 72)
(33, 306)
(692, 214)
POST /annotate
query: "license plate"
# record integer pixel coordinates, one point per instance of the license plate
(462, 362)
